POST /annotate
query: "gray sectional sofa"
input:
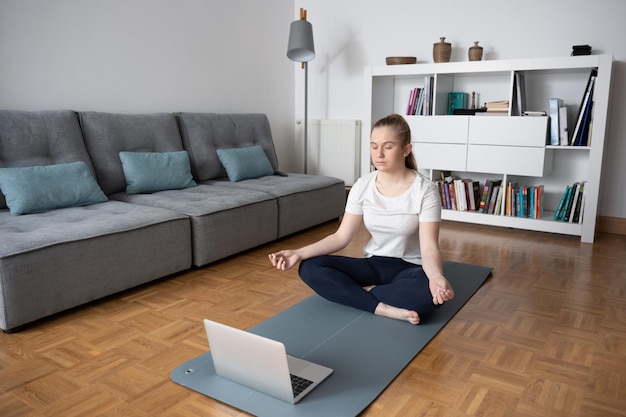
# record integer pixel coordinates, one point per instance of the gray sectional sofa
(143, 196)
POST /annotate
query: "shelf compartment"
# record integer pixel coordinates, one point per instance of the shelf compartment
(539, 225)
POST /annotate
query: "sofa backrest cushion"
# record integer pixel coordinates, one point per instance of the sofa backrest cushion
(204, 133)
(108, 134)
(29, 139)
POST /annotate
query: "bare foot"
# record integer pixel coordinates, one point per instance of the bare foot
(385, 310)
(369, 288)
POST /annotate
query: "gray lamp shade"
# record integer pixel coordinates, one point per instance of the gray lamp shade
(300, 47)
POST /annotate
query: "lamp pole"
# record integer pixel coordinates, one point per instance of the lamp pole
(306, 115)
(301, 49)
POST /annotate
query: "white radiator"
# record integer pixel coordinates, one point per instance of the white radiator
(334, 148)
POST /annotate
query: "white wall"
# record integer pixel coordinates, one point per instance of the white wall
(151, 55)
(350, 34)
(209, 55)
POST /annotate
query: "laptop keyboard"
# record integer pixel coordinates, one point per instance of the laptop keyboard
(299, 384)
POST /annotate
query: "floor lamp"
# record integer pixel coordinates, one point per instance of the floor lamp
(301, 49)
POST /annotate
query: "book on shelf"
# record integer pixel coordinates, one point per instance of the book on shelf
(484, 197)
(566, 203)
(554, 104)
(500, 199)
(452, 191)
(535, 202)
(473, 191)
(534, 113)
(494, 196)
(467, 186)
(539, 202)
(562, 203)
(582, 205)
(445, 195)
(497, 104)
(519, 95)
(577, 205)
(510, 199)
(572, 203)
(428, 95)
(409, 106)
(419, 109)
(584, 110)
(497, 110)
(501, 106)
(563, 129)
(454, 197)
(523, 201)
(582, 139)
(431, 94)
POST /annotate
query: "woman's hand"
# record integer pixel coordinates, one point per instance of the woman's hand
(284, 259)
(441, 290)
(334, 242)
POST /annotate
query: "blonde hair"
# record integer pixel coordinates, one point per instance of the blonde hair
(402, 132)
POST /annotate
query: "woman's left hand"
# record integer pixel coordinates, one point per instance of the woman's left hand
(441, 290)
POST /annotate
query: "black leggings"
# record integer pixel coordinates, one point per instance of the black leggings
(341, 279)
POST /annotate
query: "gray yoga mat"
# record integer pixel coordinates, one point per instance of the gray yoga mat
(366, 352)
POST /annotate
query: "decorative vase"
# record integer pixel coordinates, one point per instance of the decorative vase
(442, 50)
(475, 52)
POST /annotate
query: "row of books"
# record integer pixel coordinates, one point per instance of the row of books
(459, 194)
(493, 197)
(572, 204)
(559, 130)
(421, 99)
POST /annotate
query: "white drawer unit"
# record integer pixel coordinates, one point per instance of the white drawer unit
(508, 145)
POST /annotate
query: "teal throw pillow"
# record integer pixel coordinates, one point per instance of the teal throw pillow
(42, 188)
(149, 172)
(245, 163)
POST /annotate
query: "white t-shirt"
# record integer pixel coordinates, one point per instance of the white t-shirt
(393, 222)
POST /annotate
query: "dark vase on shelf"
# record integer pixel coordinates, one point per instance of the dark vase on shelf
(442, 50)
(475, 52)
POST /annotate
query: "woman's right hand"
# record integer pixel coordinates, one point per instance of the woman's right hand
(284, 259)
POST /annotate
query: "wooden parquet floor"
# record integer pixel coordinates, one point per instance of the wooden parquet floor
(544, 336)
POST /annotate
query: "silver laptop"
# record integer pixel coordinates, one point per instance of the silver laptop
(261, 363)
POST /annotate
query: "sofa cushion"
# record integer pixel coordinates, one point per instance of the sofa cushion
(204, 133)
(148, 172)
(303, 200)
(40, 138)
(108, 134)
(224, 219)
(42, 188)
(245, 163)
(59, 259)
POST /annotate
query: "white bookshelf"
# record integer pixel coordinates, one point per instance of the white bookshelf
(510, 148)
